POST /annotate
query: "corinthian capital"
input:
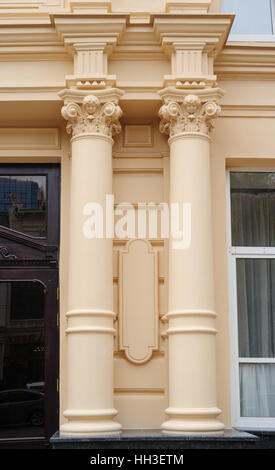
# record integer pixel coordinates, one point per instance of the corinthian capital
(92, 116)
(190, 115)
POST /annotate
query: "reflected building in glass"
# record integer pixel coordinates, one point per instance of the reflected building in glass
(23, 204)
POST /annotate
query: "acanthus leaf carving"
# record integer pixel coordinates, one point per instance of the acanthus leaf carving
(92, 116)
(190, 115)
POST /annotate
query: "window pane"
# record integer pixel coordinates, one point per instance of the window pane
(23, 204)
(27, 303)
(22, 351)
(257, 387)
(253, 208)
(256, 307)
(252, 16)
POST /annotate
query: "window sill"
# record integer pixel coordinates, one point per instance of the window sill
(251, 38)
(263, 426)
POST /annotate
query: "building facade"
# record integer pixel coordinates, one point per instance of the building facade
(137, 209)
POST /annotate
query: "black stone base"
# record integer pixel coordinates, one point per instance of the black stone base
(154, 439)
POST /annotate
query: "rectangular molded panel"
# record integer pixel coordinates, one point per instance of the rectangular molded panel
(38, 139)
(138, 301)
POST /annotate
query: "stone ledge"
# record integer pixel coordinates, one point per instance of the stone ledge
(154, 439)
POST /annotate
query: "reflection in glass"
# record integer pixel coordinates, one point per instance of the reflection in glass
(253, 208)
(252, 16)
(22, 351)
(23, 204)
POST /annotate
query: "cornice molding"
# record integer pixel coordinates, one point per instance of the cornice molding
(246, 61)
(188, 6)
(24, 19)
(39, 41)
(86, 6)
(73, 28)
(40, 92)
(17, 35)
(248, 111)
(211, 29)
(36, 7)
(103, 6)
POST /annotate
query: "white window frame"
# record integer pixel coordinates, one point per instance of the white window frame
(244, 423)
(256, 37)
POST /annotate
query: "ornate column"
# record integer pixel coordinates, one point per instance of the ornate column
(92, 120)
(188, 119)
(190, 97)
(92, 111)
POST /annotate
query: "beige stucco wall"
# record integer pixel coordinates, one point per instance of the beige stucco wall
(243, 136)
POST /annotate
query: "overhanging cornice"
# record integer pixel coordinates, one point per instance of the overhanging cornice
(77, 28)
(211, 30)
(57, 29)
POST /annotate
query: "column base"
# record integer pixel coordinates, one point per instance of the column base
(192, 433)
(90, 423)
(198, 421)
(100, 428)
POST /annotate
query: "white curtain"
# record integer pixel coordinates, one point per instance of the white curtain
(253, 218)
(253, 224)
(256, 307)
(257, 387)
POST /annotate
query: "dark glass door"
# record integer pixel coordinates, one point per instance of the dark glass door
(29, 234)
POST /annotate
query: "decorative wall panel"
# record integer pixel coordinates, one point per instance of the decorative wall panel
(138, 301)
(28, 139)
(138, 136)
